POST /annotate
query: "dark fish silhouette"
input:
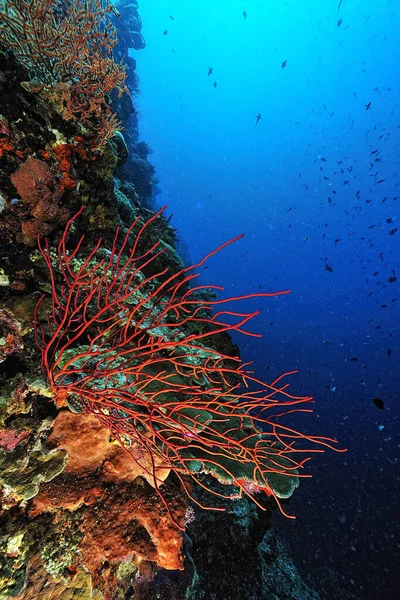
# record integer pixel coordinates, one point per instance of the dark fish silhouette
(379, 403)
(215, 84)
(368, 106)
(210, 70)
(258, 118)
(328, 268)
(340, 4)
(245, 15)
(284, 64)
(339, 22)
(165, 32)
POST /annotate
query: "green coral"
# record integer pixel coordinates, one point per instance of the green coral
(106, 163)
(227, 470)
(60, 543)
(13, 564)
(21, 473)
(125, 209)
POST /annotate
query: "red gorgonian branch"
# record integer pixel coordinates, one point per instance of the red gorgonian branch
(135, 351)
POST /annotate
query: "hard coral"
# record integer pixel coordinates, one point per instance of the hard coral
(23, 472)
(41, 586)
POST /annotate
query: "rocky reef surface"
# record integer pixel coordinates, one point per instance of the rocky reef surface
(78, 519)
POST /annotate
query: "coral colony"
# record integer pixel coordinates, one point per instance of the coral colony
(69, 45)
(132, 349)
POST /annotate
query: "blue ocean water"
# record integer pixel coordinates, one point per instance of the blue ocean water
(314, 187)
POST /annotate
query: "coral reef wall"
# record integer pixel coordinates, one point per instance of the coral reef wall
(58, 493)
(78, 517)
(134, 165)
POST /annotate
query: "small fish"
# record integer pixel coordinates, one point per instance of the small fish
(284, 64)
(245, 15)
(389, 352)
(354, 359)
(171, 17)
(333, 389)
(165, 32)
(392, 279)
(328, 268)
(339, 22)
(368, 106)
(258, 119)
(114, 10)
(215, 84)
(340, 4)
(210, 70)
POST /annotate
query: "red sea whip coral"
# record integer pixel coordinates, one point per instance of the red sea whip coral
(133, 350)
